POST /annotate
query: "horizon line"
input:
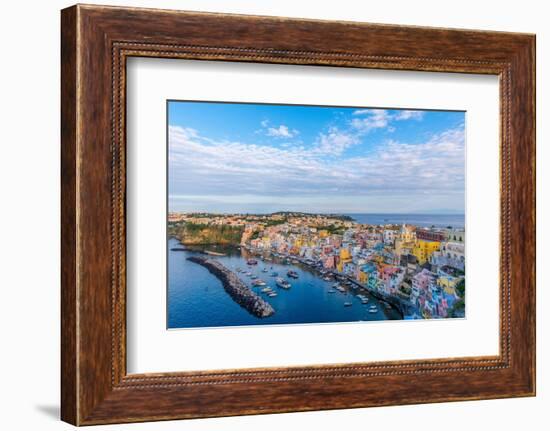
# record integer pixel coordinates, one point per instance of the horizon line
(315, 213)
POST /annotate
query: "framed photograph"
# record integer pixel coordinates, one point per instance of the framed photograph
(264, 215)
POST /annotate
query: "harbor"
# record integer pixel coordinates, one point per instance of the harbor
(298, 292)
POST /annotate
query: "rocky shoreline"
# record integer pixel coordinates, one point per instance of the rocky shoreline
(239, 292)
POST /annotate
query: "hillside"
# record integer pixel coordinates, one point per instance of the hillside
(202, 234)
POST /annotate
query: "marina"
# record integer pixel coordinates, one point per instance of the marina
(298, 293)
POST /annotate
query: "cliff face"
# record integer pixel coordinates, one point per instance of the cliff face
(191, 234)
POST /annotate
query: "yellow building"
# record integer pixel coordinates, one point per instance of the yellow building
(424, 249)
(345, 257)
(323, 233)
(363, 277)
(448, 284)
(402, 247)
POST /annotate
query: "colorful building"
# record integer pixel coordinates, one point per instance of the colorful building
(423, 250)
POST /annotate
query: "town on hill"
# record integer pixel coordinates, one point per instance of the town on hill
(422, 268)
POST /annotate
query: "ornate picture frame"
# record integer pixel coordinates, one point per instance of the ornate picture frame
(96, 41)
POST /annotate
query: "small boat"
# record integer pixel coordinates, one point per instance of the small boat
(282, 283)
(248, 274)
(214, 253)
(373, 310)
(258, 282)
(253, 277)
(363, 299)
(274, 274)
(264, 270)
(252, 262)
(347, 304)
(327, 278)
(292, 274)
(272, 294)
(332, 291)
(267, 290)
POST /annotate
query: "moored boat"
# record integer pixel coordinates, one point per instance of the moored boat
(282, 283)
(292, 274)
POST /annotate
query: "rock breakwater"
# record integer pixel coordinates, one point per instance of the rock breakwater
(233, 285)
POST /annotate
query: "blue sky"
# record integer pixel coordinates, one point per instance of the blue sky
(258, 158)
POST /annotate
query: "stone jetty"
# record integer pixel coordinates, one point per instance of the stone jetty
(239, 292)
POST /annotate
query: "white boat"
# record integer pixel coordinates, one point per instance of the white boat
(347, 304)
(281, 282)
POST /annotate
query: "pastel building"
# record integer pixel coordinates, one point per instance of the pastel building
(423, 250)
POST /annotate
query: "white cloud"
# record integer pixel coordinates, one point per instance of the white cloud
(281, 132)
(409, 115)
(335, 142)
(430, 173)
(370, 119)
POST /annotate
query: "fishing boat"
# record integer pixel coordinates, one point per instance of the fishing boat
(292, 274)
(282, 283)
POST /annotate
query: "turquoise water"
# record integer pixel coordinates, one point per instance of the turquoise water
(197, 299)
